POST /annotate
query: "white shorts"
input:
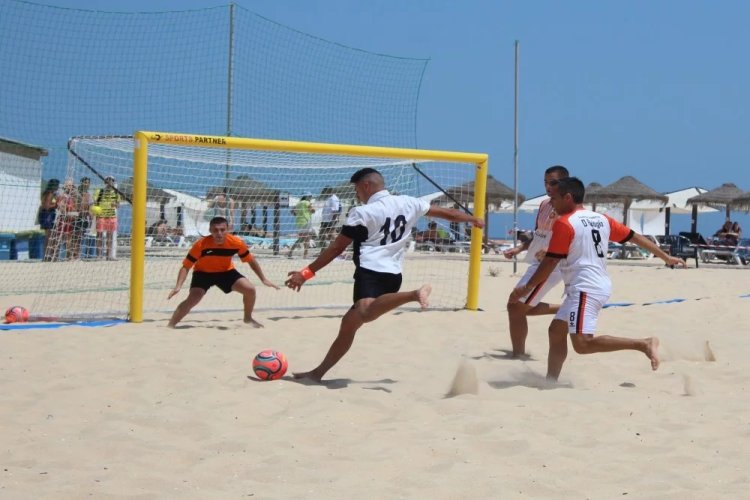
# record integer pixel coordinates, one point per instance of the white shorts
(536, 295)
(580, 310)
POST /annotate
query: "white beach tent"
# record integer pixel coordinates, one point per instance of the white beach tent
(645, 216)
(193, 210)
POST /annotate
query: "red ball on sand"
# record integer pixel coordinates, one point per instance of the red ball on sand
(269, 364)
(16, 314)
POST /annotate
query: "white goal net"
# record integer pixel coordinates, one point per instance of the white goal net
(87, 272)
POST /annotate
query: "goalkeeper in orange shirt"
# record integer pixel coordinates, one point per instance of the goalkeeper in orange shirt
(211, 258)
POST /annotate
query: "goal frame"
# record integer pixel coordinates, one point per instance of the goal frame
(142, 139)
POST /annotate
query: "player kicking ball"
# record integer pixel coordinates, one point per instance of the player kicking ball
(211, 260)
(380, 229)
(579, 243)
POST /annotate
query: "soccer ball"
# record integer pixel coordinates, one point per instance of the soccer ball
(95, 210)
(16, 314)
(269, 364)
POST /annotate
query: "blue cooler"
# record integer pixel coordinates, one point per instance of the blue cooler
(6, 241)
(19, 249)
(36, 246)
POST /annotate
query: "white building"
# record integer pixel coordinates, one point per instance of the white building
(20, 185)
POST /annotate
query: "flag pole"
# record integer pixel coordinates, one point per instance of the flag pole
(515, 158)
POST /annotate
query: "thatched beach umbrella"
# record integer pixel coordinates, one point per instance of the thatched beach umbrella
(592, 188)
(720, 197)
(246, 190)
(742, 202)
(625, 191)
(152, 193)
(497, 193)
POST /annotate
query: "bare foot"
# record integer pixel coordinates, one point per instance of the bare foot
(308, 376)
(170, 325)
(652, 351)
(423, 294)
(253, 323)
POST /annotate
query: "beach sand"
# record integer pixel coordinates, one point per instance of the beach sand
(141, 411)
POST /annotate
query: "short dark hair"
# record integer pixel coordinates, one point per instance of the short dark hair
(362, 173)
(85, 179)
(218, 220)
(557, 169)
(572, 185)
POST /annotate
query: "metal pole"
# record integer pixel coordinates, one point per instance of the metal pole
(515, 158)
(230, 89)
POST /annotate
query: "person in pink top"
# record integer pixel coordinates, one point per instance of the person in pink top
(579, 248)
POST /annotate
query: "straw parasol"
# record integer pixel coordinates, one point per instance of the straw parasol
(497, 193)
(742, 202)
(246, 190)
(720, 197)
(625, 191)
(590, 190)
(152, 193)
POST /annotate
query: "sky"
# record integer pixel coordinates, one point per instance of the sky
(656, 90)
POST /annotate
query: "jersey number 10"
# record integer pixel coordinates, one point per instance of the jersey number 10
(399, 226)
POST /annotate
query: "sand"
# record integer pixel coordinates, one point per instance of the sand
(141, 411)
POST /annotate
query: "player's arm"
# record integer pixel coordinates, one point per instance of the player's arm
(649, 245)
(512, 252)
(546, 266)
(297, 278)
(181, 276)
(453, 215)
(259, 273)
(622, 234)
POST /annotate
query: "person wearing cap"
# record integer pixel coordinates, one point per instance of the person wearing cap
(107, 200)
(302, 212)
(381, 231)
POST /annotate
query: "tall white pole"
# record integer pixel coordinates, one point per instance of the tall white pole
(515, 159)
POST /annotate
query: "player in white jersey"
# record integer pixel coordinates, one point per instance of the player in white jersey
(531, 304)
(579, 245)
(380, 230)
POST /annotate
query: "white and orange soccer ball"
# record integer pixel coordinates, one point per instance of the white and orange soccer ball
(269, 364)
(16, 314)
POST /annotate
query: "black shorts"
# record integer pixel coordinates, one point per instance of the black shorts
(372, 284)
(224, 280)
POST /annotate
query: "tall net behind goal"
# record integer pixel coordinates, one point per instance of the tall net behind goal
(257, 190)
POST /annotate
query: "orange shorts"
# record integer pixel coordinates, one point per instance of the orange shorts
(106, 224)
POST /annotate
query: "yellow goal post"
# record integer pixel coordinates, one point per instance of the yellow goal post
(140, 174)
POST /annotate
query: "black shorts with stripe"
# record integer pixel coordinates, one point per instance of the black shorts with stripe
(224, 280)
(372, 284)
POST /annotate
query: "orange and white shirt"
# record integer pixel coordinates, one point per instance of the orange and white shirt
(209, 257)
(545, 219)
(581, 240)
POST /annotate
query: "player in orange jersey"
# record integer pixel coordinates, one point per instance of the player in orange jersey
(211, 258)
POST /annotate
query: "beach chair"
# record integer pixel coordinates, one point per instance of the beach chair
(680, 246)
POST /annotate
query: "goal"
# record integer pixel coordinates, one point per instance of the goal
(168, 185)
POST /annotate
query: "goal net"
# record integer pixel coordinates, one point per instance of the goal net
(99, 270)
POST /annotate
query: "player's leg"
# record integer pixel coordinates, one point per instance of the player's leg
(558, 348)
(350, 323)
(374, 294)
(194, 297)
(589, 344)
(529, 305)
(389, 301)
(247, 289)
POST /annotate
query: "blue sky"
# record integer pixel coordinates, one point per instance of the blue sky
(657, 90)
